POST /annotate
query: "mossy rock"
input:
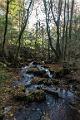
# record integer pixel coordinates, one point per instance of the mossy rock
(39, 81)
(45, 81)
(35, 96)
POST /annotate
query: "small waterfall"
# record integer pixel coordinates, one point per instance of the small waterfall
(44, 69)
(39, 67)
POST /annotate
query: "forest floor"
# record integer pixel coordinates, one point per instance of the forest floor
(7, 76)
(8, 105)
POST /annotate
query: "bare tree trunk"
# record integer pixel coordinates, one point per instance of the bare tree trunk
(37, 23)
(36, 39)
(57, 23)
(66, 32)
(48, 50)
(48, 30)
(63, 37)
(42, 34)
(70, 28)
(58, 42)
(6, 25)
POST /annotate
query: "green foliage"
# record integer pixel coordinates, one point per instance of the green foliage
(38, 40)
(15, 11)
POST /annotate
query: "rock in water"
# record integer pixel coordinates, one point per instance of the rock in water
(45, 70)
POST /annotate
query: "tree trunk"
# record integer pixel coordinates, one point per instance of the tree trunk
(58, 44)
(70, 28)
(48, 30)
(57, 23)
(63, 37)
(22, 29)
(66, 32)
(6, 25)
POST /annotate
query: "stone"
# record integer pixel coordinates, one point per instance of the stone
(36, 96)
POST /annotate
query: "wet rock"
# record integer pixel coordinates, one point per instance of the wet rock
(35, 96)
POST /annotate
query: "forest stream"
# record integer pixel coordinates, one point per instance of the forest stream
(57, 104)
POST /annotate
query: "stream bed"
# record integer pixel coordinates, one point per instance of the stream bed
(53, 108)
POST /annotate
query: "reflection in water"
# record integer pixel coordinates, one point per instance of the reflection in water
(57, 109)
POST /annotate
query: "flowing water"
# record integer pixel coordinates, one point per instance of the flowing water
(52, 108)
